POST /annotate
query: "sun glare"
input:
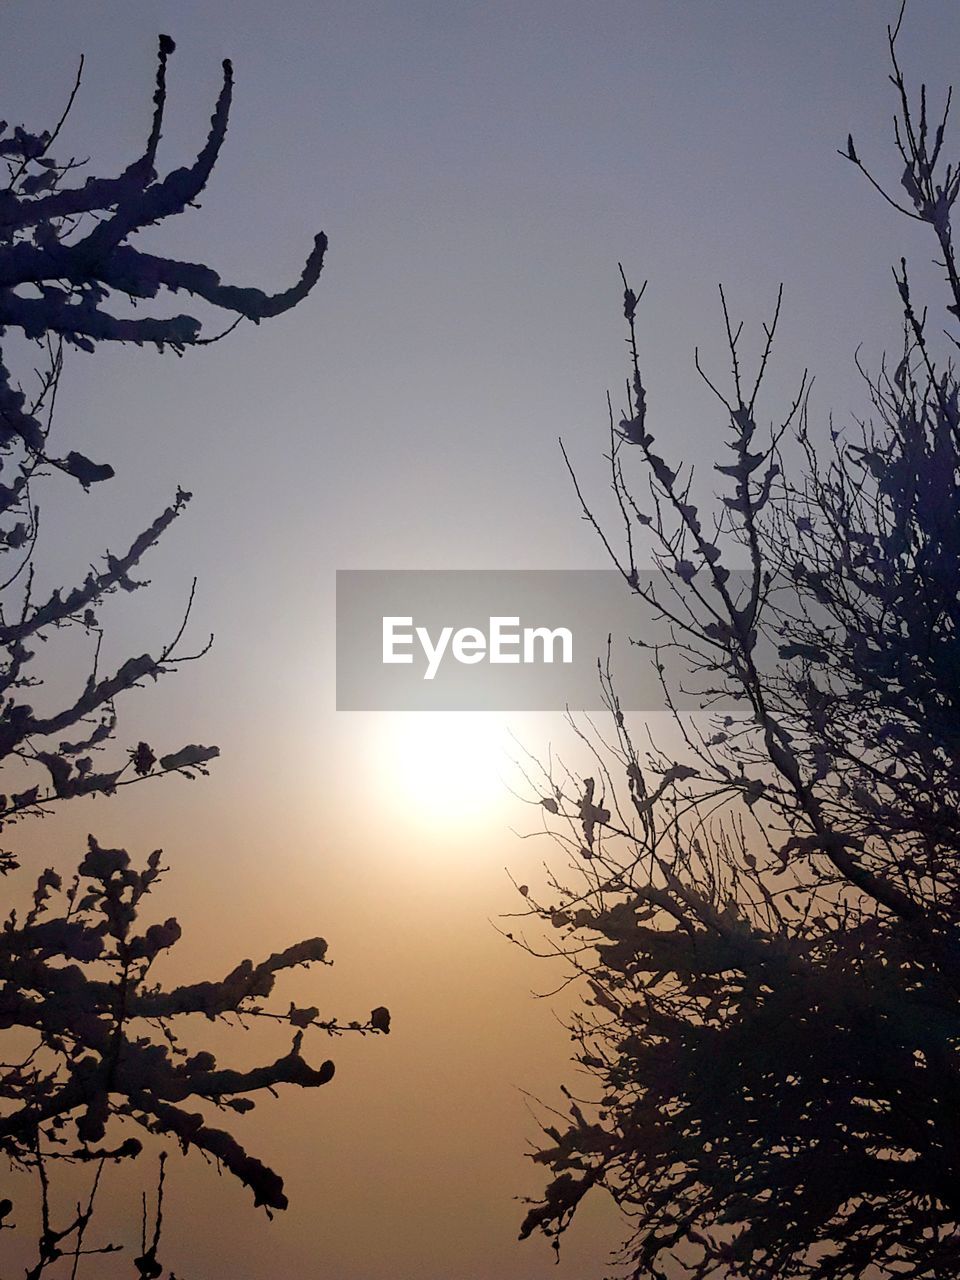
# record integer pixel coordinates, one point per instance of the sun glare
(446, 766)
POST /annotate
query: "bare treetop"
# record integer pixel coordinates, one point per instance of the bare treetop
(79, 269)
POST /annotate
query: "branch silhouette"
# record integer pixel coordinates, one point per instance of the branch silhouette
(105, 1076)
(765, 923)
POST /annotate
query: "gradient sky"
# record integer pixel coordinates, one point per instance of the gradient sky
(480, 170)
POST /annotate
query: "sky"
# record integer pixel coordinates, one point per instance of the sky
(480, 170)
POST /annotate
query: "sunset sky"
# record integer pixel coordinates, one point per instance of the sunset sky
(480, 170)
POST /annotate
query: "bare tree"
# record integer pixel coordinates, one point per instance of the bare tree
(768, 921)
(99, 1063)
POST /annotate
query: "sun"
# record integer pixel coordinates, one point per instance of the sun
(446, 766)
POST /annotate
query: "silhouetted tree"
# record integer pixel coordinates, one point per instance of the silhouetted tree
(96, 1040)
(769, 920)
